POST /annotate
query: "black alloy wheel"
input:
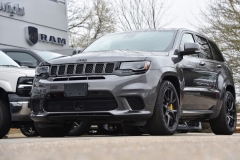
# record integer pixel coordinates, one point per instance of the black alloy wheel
(231, 112)
(165, 118)
(225, 123)
(29, 130)
(169, 108)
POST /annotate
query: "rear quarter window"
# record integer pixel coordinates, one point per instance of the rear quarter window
(217, 55)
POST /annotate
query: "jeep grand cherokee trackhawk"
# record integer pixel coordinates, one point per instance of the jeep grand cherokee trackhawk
(150, 79)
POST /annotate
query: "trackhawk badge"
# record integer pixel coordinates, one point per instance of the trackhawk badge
(81, 60)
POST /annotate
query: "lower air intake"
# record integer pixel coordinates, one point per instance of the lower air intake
(135, 103)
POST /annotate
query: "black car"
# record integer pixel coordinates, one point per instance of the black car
(144, 80)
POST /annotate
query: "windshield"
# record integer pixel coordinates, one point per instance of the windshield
(46, 55)
(153, 41)
(7, 61)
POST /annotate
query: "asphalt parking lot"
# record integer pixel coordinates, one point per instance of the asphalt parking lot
(197, 146)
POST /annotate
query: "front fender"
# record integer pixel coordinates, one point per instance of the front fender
(8, 80)
(6, 86)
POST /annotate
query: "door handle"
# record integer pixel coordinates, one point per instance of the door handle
(219, 66)
(202, 63)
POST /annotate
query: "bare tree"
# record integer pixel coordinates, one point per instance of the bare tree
(78, 15)
(223, 25)
(142, 14)
(97, 20)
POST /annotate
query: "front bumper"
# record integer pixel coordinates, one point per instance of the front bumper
(143, 86)
(19, 107)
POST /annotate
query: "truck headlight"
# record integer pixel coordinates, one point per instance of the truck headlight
(41, 70)
(24, 86)
(136, 66)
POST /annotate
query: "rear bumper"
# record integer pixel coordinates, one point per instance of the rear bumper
(143, 86)
(19, 107)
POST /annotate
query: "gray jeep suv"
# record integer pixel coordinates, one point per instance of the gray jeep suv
(146, 80)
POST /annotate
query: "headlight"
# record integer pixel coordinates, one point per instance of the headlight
(41, 70)
(136, 66)
(24, 86)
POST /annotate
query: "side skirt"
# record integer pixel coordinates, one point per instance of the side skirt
(190, 113)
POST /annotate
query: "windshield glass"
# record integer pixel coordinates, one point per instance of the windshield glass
(7, 61)
(153, 41)
(47, 55)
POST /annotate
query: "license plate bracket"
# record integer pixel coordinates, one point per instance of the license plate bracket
(76, 90)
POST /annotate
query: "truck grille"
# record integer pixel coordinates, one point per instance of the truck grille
(71, 105)
(81, 69)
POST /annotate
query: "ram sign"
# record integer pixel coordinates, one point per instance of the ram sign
(33, 37)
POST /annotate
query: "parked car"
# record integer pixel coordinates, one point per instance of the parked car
(29, 58)
(15, 86)
(32, 58)
(141, 79)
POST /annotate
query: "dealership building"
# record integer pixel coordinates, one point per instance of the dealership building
(34, 24)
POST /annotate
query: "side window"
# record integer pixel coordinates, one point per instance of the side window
(216, 52)
(205, 49)
(186, 38)
(22, 57)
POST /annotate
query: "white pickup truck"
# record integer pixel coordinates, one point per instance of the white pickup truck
(15, 86)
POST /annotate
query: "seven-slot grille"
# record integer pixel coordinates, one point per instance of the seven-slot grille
(78, 69)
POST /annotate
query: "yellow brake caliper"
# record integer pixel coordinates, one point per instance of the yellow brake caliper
(170, 107)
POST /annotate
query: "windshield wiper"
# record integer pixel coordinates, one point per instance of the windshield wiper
(8, 65)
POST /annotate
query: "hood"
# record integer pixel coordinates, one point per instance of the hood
(29, 72)
(108, 56)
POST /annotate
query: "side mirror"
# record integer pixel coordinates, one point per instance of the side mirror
(27, 64)
(190, 48)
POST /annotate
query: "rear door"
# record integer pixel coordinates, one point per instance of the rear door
(218, 65)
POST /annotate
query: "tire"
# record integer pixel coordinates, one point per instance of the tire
(29, 130)
(165, 118)
(53, 131)
(133, 130)
(225, 123)
(79, 128)
(110, 129)
(5, 119)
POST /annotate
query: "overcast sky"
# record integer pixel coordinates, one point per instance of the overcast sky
(185, 10)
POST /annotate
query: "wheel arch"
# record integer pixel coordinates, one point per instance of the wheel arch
(4, 95)
(173, 78)
(231, 89)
